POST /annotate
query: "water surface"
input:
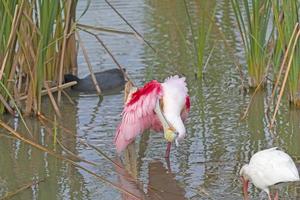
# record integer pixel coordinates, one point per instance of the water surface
(218, 143)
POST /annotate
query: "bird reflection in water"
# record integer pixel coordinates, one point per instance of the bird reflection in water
(161, 185)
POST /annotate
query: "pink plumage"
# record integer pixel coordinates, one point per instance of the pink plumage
(138, 114)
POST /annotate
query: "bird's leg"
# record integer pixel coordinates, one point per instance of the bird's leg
(269, 195)
(168, 150)
(168, 164)
(276, 195)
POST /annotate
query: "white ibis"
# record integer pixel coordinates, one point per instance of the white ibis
(267, 168)
(158, 106)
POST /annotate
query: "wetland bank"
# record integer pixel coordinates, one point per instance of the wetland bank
(218, 141)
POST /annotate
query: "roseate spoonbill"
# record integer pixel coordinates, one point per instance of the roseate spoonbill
(267, 168)
(158, 106)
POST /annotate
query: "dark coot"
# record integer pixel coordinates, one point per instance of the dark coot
(109, 80)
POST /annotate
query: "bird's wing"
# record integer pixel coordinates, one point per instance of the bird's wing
(275, 166)
(138, 114)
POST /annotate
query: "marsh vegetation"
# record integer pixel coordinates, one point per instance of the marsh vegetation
(65, 150)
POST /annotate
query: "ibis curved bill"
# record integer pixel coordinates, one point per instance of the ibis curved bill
(266, 168)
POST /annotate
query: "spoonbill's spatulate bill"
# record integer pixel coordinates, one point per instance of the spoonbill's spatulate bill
(158, 106)
(267, 168)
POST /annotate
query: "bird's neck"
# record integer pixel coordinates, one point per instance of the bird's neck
(160, 115)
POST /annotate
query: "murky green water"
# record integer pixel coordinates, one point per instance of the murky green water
(206, 164)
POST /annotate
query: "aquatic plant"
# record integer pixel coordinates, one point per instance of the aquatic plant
(37, 46)
(286, 17)
(286, 63)
(253, 17)
(203, 37)
(199, 45)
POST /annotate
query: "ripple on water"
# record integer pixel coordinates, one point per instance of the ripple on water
(217, 144)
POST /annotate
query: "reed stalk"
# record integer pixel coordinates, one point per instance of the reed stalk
(203, 37)
(286, 16)
(294, 40)
(199, 45)
(195, 47)
(10, 195)
(10, 15)
(86, 57)
(253, 18)
(37, 45)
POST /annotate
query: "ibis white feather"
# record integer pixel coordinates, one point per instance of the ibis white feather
(269, 167)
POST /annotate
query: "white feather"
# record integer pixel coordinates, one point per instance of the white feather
(174, 98)
(269, 167)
